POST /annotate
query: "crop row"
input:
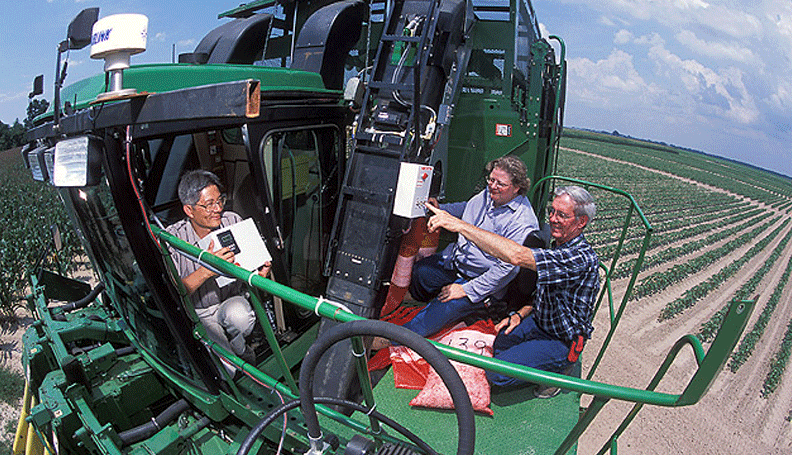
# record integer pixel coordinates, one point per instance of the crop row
(659, 281)
(733, 177)
(778, 364)
(675, 200)
(710, 328)
(665, 227)
(749, 341)
(29, 209)
(668, 254)
(701, 290)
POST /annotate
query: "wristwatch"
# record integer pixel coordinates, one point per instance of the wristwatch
(512, 313)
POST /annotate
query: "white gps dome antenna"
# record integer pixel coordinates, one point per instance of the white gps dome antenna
(115, 38)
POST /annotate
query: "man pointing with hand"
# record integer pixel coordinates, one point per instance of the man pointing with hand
(549, 334)
(459, 281)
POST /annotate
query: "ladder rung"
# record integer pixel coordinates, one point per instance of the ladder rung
(402, 38)
(391, 86)
(382, 151)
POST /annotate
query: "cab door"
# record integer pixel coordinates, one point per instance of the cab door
(301, 168)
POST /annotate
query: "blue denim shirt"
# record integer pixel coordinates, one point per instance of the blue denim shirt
(488, 274)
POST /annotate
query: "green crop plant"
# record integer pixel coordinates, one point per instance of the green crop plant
(749, 341)
(778, 364)
(659, 281)
(28, 209)
(701, 290)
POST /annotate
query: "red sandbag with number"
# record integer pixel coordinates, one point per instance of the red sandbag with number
(478, 339)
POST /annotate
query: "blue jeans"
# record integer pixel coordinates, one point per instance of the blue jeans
(428, 278)
(531, 346)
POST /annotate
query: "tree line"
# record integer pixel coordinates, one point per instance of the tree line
(14, 135)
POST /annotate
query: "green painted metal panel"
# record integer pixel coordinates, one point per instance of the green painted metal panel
(475, 139)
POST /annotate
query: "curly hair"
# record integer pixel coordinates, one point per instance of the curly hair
(517, 170)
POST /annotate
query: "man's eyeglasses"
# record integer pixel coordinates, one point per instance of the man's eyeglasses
(496, 183)
(219, 204)
(564, 216)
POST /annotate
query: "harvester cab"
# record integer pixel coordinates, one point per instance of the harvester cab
(329, 125)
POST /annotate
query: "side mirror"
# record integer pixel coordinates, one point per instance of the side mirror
(38, 86)
(80, 29)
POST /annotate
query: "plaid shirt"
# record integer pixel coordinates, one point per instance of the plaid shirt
(566, 288)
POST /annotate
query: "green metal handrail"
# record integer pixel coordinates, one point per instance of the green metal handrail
(558, 119)
(710, 364)
(606, 288)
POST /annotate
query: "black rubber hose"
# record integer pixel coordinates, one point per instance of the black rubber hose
(142, 432)
(83, 302)
(247, 444)
(459, 394)
(125, 350)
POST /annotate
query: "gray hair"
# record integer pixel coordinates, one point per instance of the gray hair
(193, 182)
(516, 169)
(584, 203)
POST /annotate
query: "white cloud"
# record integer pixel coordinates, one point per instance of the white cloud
(653, 40)
(690, 4)
(782, 98)
(712, 74)
(609, 82)
(733, 22)
(623, 37)
(717, 49)
(779, 34)
(12, 96)
(160, 36)
(732, 19)
(543, 30)
(781, 19)
(75, 62)
(605, 20)
(718, 92)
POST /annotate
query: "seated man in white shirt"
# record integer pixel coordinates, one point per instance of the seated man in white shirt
(223, 310)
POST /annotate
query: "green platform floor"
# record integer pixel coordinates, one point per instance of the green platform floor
(521, 424)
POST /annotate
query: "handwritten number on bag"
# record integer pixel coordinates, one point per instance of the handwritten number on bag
(479, 345)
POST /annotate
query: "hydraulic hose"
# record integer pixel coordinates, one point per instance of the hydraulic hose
(125, 350)
(142, 432)
(247, 444)
(462, 405)
(83, 302)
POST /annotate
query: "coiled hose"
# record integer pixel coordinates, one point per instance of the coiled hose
(247, 444)
(462, 405)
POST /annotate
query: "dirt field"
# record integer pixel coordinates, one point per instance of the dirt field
(732, 418)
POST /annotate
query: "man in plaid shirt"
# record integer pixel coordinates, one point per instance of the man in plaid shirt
(548, 334)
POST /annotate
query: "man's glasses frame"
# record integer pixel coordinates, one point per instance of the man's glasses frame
(219, 203)
(497, 184)
(551, 211)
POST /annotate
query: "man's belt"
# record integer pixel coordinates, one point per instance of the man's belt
(459, 273)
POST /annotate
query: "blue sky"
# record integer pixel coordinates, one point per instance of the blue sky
(715, 76)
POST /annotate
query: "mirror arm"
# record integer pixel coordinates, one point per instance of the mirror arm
(64, 45)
